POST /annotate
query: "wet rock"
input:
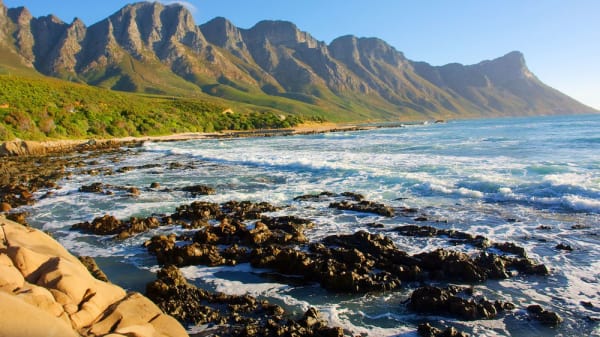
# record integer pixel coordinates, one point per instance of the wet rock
(105, 225)
(451, 265)
(364, 206)
(196, 190)
(511, 248)
(544, 227)
(421, 219)
(246, 210)
(353, 196)
(562, 246)
(235, 315)
(93, 268)
(5, 207)
(545, 317)
(133, 191)
(315, 197)
(446, 301)
(457, 237)
(18, 217)
(198, 210)
(155, 185)
(109, 225)
(92, 188)
(427, 330)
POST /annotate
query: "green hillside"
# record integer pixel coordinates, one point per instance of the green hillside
(36, 107)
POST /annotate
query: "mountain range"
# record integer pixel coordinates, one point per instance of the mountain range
(158, 49)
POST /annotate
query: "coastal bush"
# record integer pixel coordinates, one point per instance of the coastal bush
(43, 108)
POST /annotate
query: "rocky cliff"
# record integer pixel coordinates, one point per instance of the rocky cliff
(41, 282)
(153, 48)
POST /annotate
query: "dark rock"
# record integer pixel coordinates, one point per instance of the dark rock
(199, 190)
(545, 317)
(364, 206)
(446, 301)
(315, 197)
(354, 196)
(421, 218)
(426, 330)
(247, 210)
(18, 217)
(93, 268)
(562, 246)
(92, 188)
(544, 227)
(238, 315)
(198, 210)
(511, 248)
(105, 225)
(155, 185)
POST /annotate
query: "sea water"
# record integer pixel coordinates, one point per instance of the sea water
(501, 178)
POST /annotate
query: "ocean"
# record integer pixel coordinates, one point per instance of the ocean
(533, 181)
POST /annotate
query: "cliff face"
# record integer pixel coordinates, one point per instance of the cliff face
(149, 47)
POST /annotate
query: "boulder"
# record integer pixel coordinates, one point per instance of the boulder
(40, 279)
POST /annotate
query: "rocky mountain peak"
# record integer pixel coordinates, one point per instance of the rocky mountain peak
(282, 33)
(20, 15)
(511, 66)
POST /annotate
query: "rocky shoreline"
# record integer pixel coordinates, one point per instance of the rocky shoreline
(237, 232)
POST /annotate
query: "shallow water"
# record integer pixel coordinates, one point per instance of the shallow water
(502, 178)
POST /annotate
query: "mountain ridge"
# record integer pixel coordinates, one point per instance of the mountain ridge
(152, 48)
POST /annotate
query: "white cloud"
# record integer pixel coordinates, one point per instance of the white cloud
(190, 6)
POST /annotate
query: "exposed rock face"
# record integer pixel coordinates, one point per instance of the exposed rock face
(39, 277)
(150, 47)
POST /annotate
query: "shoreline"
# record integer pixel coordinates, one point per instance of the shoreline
(18, 147)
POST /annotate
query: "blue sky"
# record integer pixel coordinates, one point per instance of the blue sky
(560, 39)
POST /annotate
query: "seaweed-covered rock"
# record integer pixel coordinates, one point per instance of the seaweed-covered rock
(104, 225)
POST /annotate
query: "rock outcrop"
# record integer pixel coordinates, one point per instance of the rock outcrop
(41, 282)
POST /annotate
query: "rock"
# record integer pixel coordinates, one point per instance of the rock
(436, 300)
(426, 330)
(105, 225)
(93, 268)
(5, 207)
(562, 246)
(40, 279)
(364, 206)
(133, 191)
(315, 197)
(199, 190)
(18, 217)
(545, 317)
(92, 188)
(237, 315)
(155, 185)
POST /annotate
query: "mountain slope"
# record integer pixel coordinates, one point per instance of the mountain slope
(152, 48)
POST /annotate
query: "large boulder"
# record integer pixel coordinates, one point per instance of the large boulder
(41, 279)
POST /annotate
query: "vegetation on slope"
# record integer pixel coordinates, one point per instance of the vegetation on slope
(41, 108)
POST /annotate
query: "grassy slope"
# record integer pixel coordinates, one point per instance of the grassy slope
(41, 108)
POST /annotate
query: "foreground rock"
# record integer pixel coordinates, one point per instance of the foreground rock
(41, 282)
(235, 315)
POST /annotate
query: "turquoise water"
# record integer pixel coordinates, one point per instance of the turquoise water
(502, 178)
